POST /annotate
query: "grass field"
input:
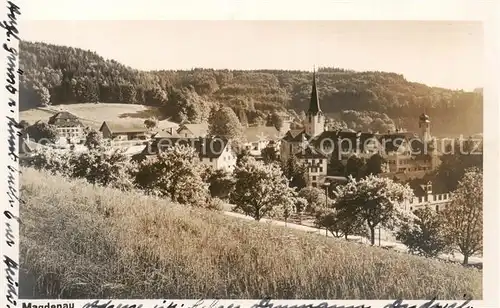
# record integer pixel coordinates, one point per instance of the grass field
(91, 114)
(80, 241)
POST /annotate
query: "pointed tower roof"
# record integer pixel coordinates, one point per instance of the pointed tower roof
(314, 103)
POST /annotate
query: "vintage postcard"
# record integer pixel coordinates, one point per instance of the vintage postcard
(256, 156)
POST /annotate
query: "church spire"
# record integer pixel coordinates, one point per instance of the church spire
(314, 108)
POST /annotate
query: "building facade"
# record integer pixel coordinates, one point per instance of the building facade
(69, 126)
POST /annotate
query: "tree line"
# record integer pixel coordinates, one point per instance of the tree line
(63, 75)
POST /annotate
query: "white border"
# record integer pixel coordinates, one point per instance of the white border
(485, 11)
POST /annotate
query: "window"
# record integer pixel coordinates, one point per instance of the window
(321, 169)
(437, 208)
(314, 178)
(211, 159)
(313, 162)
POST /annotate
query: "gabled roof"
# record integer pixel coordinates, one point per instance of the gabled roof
(296, 135)
(125, 126)
(198, 130)
(256, 133)
(205, 147)
(64, 119)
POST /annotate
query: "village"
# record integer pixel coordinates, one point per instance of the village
(407, 155)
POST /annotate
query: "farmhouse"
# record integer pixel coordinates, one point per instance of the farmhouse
(68, 126)
(214, 152)
(124, 130)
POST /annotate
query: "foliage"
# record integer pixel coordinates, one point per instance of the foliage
(315, 197)
(93, 139)
(274, 119)
(53, 161)
(355, 167)
(375, 101)
(339, 225)
(464, 215)
(374, 164)
(122, 241)
(223, 122)
(335, 166)
(220, 182)
(262, 190)
(295, 172)
(374, 200)
(104, 168)
(425, 235)
(43, 131)
(269, 155)
(176, 174)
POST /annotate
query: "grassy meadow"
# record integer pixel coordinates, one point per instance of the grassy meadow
(80, 241)
(91, 115)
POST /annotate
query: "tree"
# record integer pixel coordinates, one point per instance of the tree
(355, 167)
(220, 182)
(295, 172)
(424, 236)
(94, 139)
(150, 123)
(374, 200)
(261, 190)
(339, 225)
(374, 164)
(274, 119)
(175, 173)
(315, 198)
(103, 168)
(269, 155)
(464, 214)
(335, 167)
(41, 131)
(224, 122)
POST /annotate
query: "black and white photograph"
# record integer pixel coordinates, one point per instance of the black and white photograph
(251, 159)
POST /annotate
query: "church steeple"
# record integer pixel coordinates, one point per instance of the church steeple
(315, 122)
(314, 107)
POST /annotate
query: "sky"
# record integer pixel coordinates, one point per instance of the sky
(438, 53)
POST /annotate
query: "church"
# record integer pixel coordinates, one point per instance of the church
(405, 154)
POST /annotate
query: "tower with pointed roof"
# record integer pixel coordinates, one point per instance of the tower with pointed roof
(315, 119)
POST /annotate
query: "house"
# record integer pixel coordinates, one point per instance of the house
(316, 164)
(259, 137)
(215, 152)
(68, 126)
(124, 132)
(425, 194)
(193, 130)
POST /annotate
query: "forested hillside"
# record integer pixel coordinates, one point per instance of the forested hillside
(64, 75)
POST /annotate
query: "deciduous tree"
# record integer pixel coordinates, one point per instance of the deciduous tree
(425, 234)
(262, 190)
(464, 215)
(374, 200)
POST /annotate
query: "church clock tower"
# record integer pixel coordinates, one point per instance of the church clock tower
(315, 120)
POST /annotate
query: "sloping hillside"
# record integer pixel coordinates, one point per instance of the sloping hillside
(80, 241)
(62, 75)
